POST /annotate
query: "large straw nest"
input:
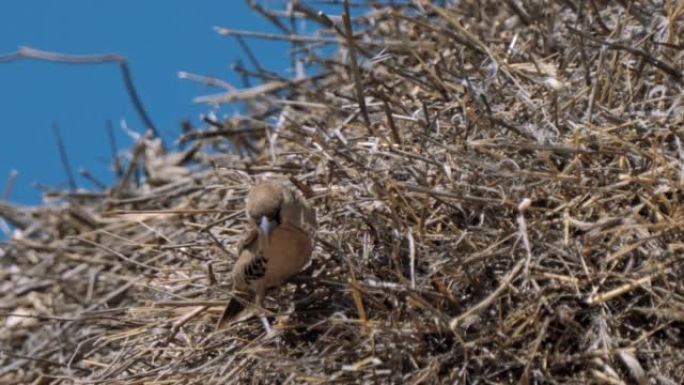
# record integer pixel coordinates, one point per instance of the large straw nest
(502, 205)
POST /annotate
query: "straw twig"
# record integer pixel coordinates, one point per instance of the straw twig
(498, 197)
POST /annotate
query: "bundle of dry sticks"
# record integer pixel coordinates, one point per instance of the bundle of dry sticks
(499, 188)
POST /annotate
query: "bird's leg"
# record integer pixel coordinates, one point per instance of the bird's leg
(259, 300)
(267, 327)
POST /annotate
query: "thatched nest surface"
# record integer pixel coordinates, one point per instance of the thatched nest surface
(499, 194)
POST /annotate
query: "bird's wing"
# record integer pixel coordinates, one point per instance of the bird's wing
(296, 211)
(248, 240)
(309, 223)
(251, 265)
(246, 270)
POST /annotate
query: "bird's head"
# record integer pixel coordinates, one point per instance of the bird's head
(264, 202)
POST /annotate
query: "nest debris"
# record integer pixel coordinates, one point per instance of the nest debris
(499, 187)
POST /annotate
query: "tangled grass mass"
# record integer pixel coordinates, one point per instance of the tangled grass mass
(499, 188)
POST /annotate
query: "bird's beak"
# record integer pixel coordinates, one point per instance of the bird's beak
(266, 226)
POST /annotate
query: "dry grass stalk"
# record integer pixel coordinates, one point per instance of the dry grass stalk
(416, 158)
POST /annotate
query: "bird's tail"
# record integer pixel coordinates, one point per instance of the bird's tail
(234, 307)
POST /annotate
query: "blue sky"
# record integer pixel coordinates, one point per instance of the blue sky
(159, 38)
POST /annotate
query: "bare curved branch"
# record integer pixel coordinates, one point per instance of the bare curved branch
(32, 53)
